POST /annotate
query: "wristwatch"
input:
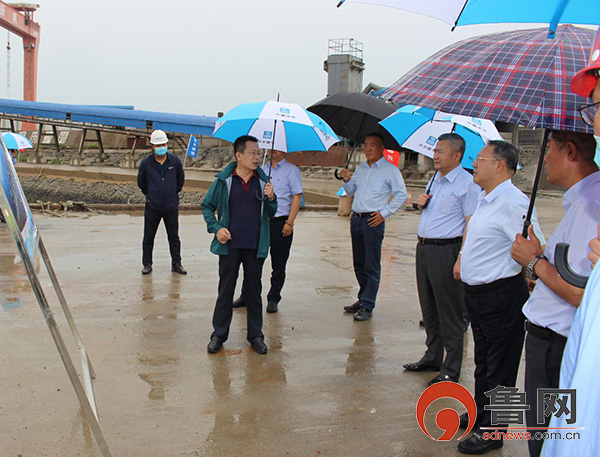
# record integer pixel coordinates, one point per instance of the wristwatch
(529, 269)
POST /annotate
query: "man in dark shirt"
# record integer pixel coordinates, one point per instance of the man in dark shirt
(241, 237)
(161, 177)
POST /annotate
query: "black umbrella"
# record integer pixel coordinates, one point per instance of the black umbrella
(354, 115)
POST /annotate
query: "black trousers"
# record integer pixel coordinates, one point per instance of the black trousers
(229, 266)
(442, 301)
(542, 370)
(366, 256)
(498, 333)
(280, 253)
(152, 219)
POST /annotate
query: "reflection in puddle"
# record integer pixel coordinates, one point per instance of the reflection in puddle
(158, 355)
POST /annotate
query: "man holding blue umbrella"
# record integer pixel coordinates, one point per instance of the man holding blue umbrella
(446, 208)
(241, 238)
(371, 185)
(287, 184)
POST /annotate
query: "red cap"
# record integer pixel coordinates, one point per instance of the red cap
(583, 82)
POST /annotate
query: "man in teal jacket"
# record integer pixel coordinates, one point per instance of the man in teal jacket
(244, 201)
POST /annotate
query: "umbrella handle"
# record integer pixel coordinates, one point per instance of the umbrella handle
(561, 259)
(337, 176)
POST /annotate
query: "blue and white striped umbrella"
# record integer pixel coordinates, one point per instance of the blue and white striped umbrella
(283, 126)
(418, 128)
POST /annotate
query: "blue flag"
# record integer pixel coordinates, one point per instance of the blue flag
(192, 149)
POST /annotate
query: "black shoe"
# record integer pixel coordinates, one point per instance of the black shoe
(354, 307)
(477, 445)
(464, 420)
(421, 323)
(272, 307)
(259, 345)
(147, 269)
(177, 268)
(215, 345)
(441, 378)
(239, 303)
(421, 366)
(363, 314)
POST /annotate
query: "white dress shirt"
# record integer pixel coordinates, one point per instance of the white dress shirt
(490, 235)
(453, 198)
(577, 228)
(372, 186)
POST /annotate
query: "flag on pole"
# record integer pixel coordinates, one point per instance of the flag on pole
(192, 149)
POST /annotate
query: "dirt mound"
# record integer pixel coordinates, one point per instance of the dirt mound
(58, 190)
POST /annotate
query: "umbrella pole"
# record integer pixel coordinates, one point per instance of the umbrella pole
(536, 183)
(258, 194)
(360, 129)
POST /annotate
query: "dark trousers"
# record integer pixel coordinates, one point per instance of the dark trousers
(151, 221)
(366, 254)
(280, 253)
(229, 266)
(498, 333)
(542, 370)
(442, 301)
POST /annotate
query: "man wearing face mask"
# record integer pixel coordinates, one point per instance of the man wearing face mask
(160, 178)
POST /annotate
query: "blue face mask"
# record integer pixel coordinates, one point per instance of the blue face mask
(160, 151)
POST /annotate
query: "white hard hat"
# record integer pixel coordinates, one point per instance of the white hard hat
(158, 137)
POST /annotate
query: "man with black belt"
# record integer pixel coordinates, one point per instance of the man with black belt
(241, 238)
(287, 183)
(495, 290)
(160, 178)
(371, 185)
(446, 209)
(551, 308)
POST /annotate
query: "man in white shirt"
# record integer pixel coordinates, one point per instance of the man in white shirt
(551, 308)
(446, 209)
(495, 290)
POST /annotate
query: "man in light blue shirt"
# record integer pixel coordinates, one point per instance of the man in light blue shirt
(371, 185)
(287, 183)
(551, 308)
(446, 209)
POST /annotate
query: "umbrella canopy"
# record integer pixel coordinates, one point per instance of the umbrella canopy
(519, 77)
(15, 141)
(418, 129)
(354, 115)
(283, 126)
(461, 12)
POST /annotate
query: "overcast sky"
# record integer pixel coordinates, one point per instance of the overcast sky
(201, 57)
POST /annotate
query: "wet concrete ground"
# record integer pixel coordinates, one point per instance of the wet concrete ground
(328, 387)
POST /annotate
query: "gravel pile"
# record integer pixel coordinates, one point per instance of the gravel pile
(58, 190)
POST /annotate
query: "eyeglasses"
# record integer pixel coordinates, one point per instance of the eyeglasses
(588, 112)
(255, 154)
(479, 159)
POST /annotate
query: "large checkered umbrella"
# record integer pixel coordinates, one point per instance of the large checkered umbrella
(520, 77)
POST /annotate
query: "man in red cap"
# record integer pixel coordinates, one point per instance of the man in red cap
(580, 359)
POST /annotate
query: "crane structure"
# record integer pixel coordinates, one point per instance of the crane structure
(17, 18)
